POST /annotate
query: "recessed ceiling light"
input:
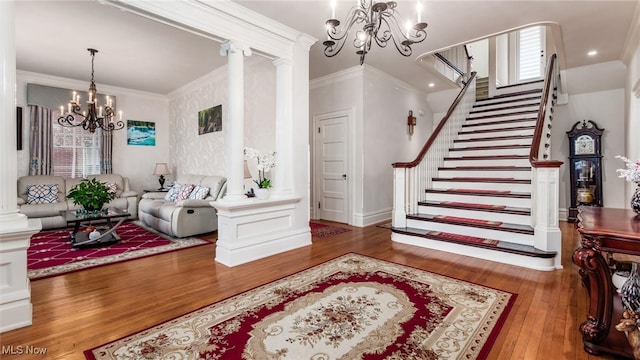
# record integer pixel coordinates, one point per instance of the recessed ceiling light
(432, 84)
(592, 53)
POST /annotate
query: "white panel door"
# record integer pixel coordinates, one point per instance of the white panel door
(331, 168)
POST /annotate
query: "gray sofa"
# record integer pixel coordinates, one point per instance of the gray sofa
(49, 214)
(187, 217)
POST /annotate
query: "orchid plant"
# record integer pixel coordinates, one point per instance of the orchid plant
(632, 171)
(266, 162)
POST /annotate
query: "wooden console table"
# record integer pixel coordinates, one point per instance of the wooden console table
(604, 230)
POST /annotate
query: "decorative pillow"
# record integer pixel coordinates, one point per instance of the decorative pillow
(111, 187)
(184, 192)
(173, 192)
(42, 194)
(199, 192)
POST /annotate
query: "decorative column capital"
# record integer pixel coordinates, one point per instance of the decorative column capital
(231, 46)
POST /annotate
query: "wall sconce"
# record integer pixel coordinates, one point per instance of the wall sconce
(411, 121)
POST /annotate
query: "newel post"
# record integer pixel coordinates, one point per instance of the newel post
(399, 214)
(547, 235)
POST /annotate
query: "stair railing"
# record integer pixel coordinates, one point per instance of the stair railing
(455, 64)
(411, 179)
(545, 180)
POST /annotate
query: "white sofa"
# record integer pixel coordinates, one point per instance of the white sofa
(49, 214)
(184, 217)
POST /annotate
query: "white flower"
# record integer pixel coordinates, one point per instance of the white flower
(265, 163)
(632, 172)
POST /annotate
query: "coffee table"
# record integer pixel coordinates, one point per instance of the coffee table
(107, 236)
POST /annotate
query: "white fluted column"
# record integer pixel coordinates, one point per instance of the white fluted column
(283, 184)
(15, 228)
(234, 137)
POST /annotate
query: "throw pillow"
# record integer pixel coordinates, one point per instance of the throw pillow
(199, 192)
(42, 194)
(111, 187)
(173, 192)
(185, 191)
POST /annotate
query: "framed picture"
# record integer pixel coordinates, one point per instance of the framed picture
(210, 120)
(141, 133)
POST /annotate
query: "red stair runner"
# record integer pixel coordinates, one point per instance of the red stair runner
(468, 220)
(472, 205)
(464, 238)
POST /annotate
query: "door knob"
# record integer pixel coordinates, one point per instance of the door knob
(344, 176)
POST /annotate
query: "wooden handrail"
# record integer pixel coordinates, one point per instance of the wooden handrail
(537, 134)
(449, 63)
(435, 133)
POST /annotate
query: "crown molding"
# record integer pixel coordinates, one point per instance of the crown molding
(61, 82)
(342, 75)
(633, 38)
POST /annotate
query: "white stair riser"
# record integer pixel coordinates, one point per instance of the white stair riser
(476, 199)
(536, 263)
(515, 238)
(499, 126)
(490, 152)
(505, 103)
(489, 112)
(473, 214)
(520, 175)
(481, 118)
(515, 132)
(443, 185)
(509, 98)
(487, 162)
(492, 142)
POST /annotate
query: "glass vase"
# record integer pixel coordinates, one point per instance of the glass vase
(630, 291)
(635, 201)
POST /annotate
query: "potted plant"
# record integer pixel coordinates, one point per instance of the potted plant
(265, 163)
(91, 194)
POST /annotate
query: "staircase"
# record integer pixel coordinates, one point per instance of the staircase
(479, 201)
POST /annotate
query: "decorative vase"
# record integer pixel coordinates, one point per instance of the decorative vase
(262, 193)
(630, 291)
(635, 201)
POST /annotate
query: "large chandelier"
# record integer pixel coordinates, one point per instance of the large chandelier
(380, 22)
(95, 117)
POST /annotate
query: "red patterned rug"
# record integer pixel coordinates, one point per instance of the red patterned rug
(351, 307)
(324, 230)
(50, 252)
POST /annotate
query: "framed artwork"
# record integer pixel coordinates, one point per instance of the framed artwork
(141, 133)
(19, 128)
(210, 120)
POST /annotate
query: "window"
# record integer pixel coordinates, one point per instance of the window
(76, 152)
(530, 53)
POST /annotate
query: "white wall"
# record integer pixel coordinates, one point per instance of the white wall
(605, 108)
(632, 106)
(135, 162)
(379, 133)
(386, 138)
(205, 154)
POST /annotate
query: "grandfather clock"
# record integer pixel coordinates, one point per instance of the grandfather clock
(585, 165)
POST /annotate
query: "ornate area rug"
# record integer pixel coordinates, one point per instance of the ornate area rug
(351, 307)
(324, 230)
(50, 252)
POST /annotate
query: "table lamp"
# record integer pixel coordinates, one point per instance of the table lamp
(161, 169)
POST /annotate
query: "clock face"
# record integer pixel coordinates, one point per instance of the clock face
(584, 145)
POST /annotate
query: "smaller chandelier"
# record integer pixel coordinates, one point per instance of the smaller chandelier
(95, 117)
(380, 22)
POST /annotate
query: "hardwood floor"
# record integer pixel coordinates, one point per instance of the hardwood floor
(82, 310)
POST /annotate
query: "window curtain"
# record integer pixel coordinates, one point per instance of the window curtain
(107, 152)
(40, 140)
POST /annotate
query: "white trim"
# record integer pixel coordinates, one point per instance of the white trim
(342, 75)
(372, 217)
(633, 38)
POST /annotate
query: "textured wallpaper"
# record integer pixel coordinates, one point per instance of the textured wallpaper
(191, 153)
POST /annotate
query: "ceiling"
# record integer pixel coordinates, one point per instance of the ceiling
(141, 54)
